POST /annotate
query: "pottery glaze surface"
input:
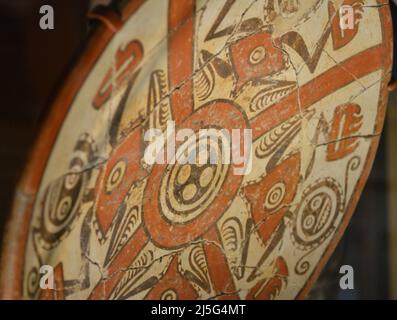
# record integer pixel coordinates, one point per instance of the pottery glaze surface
(114, 227)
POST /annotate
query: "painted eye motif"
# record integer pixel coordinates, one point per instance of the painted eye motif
(257, 55)
(275, 196)
(115, 176)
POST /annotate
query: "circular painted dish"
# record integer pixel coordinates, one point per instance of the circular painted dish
(125, 197)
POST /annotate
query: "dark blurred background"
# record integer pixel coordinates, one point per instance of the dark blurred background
(33, 64)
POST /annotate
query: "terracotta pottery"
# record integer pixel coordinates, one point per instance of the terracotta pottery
(113, 226)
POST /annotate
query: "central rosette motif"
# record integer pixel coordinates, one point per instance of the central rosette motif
(186, 196)
(189, 187)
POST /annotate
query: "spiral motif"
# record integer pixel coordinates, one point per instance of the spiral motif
(169, 294)
(302, 266)
(257, 55)
(33, 282)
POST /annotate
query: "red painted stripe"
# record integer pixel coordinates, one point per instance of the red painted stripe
(131, 8)
(333, 79)
(218, 267)
(180, 57)
(123, 260)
